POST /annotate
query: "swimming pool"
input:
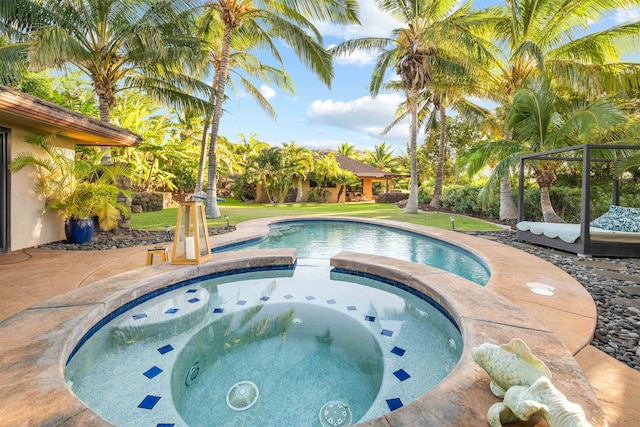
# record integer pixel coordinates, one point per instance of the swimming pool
(305, 337)
(322, 239)
(37, 343)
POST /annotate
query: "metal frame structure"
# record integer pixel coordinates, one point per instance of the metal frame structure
(584, 245)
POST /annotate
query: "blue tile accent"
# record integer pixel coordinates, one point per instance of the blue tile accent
(193, 300)
(165, 349)
(163, 290)
(402, 375)
(288, 296)
(152, 372)
(387, 332)
(402, 286)
(331, 301)
(165, 425)
(172, 311)
(139, 316)
(192, 291)
(370, 318)
(398, 351)
(218, 310)
(241, 302)
(351, 308)
(264, 298)
(394, 403)
(310, 298)
(149, 402)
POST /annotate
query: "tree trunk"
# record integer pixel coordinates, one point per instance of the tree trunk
(340, 191)
(299, 192)
(212, 209)
(545, 179)
(548, 213)
(437, 190)
(412, 202)
(508, 209)
(203, 146)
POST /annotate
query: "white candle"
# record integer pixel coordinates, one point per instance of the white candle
(190, 247)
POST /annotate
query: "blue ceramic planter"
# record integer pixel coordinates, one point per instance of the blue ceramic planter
(79, 231)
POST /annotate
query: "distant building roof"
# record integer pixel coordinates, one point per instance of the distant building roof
(42, 116)
(363, 170)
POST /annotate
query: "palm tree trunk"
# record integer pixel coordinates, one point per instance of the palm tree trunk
(437, 191)
(548, 213)
(212, 209)
(412, 202)
(203, 144)
(508, 209)
(299, 192)
(546, 178)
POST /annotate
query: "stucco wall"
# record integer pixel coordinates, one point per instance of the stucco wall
(29, 224)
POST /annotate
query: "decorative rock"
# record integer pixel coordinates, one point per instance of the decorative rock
(105, 240)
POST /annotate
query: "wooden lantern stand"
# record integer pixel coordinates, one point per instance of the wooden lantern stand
(191, 241)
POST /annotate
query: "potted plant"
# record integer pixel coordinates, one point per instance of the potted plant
(77, 189)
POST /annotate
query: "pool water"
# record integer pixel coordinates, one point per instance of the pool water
(323, 239)
(304, 337)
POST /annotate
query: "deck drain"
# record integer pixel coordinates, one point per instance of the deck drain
(335, 413)
(192, 374)
(242, 396)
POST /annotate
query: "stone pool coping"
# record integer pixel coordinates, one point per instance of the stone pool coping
(37, 341)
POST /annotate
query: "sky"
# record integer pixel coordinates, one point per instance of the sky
(320, 118)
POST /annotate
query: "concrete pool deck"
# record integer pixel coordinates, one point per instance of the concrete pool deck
(32, 276)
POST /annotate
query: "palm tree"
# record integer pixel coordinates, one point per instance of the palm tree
(300, 160)
(118, 44)
(287, 21)
(542, 120)
(242, 64)
(381, 157)
(429, 25)
(346, 150)
(326, 167)
(247, 148)
(532, 37)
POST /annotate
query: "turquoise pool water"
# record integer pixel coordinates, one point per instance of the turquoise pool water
(320, 239)
(304, 337)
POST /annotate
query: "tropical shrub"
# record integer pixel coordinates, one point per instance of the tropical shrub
(76, 189)
(465, 200)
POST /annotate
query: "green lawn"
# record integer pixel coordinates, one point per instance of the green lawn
(239, 212)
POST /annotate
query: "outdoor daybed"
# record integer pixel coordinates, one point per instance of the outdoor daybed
(615, 234)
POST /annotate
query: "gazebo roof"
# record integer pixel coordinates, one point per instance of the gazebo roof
(43, 116)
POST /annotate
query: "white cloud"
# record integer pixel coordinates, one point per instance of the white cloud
(374, 24)
(365, 115)
(267, 92)
(626, 15)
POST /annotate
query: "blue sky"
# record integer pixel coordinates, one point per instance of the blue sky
(320, 118)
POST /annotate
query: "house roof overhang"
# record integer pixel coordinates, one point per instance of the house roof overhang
(42, 116)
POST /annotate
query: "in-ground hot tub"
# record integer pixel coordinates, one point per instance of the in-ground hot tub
(254, 349)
